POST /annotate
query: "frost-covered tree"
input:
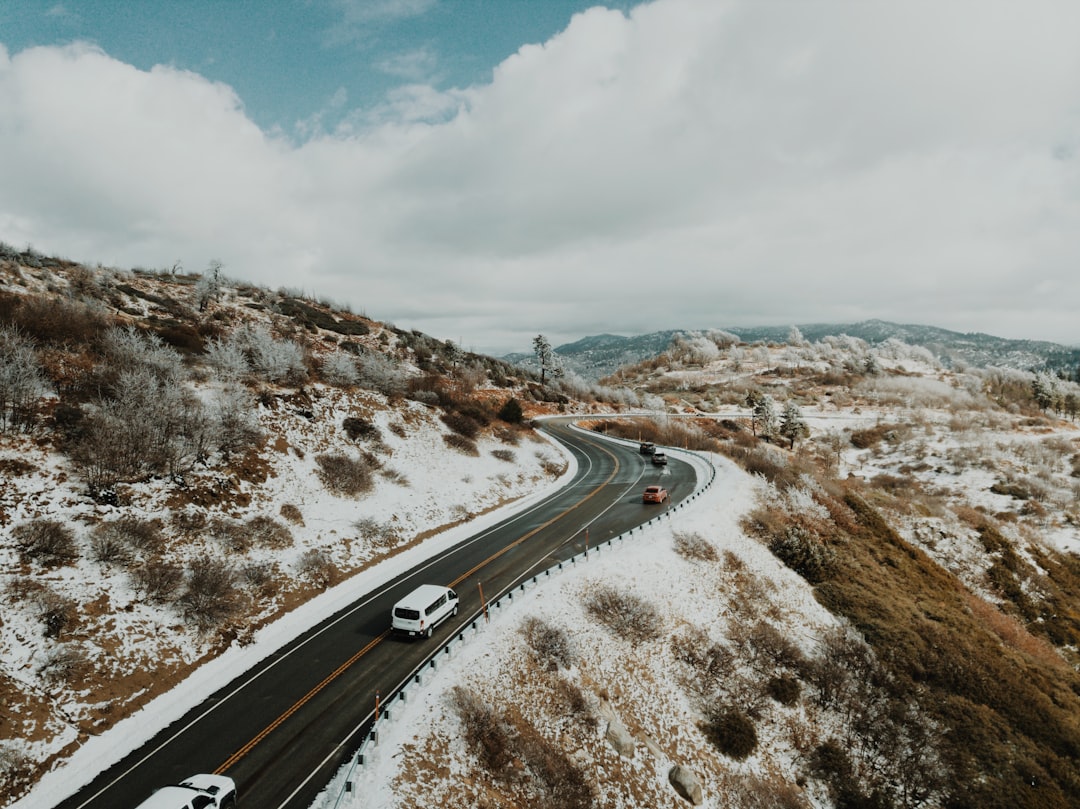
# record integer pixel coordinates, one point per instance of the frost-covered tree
(1044, 389)
(208, 287)
(21, 380)
(763, 418)
(128, 349)
(234, 409)
(378, 372)
(792, 426)
(274, 359)
(340, 369)
(545, 356)
(227, 359)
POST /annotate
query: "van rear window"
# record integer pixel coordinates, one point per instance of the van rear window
(406, 614)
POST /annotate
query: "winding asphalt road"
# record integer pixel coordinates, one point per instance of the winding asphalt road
(282, 729)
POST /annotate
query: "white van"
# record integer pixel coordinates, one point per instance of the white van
(423, 609)
(197, 792)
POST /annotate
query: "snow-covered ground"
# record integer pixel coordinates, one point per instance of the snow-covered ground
(635, 686)
(425, 500)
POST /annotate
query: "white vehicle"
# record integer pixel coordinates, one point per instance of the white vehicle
(423, 609)
(197, 792)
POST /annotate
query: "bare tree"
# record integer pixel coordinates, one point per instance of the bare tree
(21, 380)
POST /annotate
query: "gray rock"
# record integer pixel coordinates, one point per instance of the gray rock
(686, 784)
(620, 739)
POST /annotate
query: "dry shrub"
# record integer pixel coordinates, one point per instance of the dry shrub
(871, 436)
(485, 733)
(129, 533)
(291, 513)
(628, 616)
(574, 699)
(785, 689)
(504, 455)
(712, 663)
(804, 553)
(211, 598)
(359, 429)
(550, 644)
(56, 612)
(66, 664)
(157, 580)
(377, 534)
(462, 444)
(462, 424)
(47, 542)
(344, 475)
(730, 731)
(695, 547)
(261, 577)
(266, 532)
(316, 567)
(1012, 632)
(561, 783)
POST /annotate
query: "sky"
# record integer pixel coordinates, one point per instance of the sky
(489, 170)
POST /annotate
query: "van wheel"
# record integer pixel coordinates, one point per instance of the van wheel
(428, 633)
(454, 612)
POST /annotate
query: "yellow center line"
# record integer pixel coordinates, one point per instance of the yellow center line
(247, 748)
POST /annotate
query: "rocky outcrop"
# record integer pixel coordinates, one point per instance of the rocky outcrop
(686, 784)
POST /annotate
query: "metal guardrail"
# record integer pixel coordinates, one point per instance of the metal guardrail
(399, 693)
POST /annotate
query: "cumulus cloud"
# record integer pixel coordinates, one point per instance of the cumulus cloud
(691, 164)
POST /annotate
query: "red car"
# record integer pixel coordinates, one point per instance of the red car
(655, 494)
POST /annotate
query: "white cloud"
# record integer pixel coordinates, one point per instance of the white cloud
(693, 164)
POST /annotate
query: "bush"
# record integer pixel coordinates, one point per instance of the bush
(344, 475)
(785, 690)
(131, 533)
(461, 444)
(317, 567)
(211, 598)
(731, 732)
(695, 547)
(551, 644)
(266, 532)
(55, 611)
(47, 542)
(805, 554)
(291, 513)
(484, 733)
(67, 664)
(158, 580)
(361, 429)
(462, 424)
(504, 455)
(628, 616)
(511, 412)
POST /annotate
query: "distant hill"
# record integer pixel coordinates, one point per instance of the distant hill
(600, 355)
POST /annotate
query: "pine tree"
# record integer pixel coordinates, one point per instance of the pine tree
(545, 355)
(792, 426)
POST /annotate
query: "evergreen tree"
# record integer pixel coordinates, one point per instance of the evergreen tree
(545, 355)
(511, 412)
(792, 426)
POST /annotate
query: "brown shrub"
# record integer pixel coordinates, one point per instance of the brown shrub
(550, 644)
(344, 475)
(695, 547)
(731, 731)
(461, 444)
(485, 733)
(266, 532)
(628, 616)
(47, 542)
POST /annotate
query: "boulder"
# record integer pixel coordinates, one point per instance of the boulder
(620, 739)
(686, 784)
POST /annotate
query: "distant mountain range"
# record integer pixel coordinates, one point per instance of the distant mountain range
(597, 356)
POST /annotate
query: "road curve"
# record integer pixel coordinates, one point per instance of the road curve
(283, 728)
